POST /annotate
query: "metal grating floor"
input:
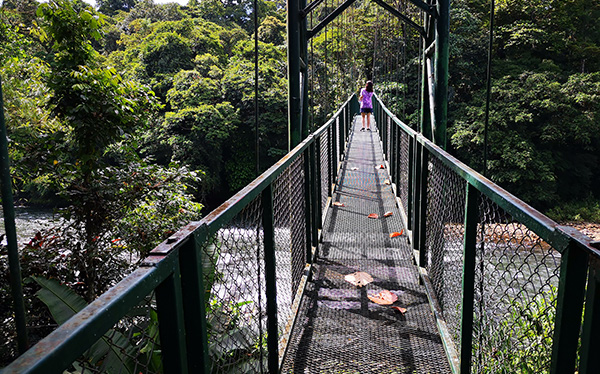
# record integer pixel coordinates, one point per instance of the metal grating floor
(339, 330)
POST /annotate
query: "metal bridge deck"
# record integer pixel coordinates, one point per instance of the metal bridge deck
(339, 330)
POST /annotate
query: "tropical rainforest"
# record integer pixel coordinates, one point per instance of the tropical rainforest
(135, 118)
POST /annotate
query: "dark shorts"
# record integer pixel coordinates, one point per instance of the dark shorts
(366, 110)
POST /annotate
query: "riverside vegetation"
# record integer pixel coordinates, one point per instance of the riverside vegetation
(133, 118)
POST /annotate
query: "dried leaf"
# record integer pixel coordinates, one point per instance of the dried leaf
(379, 167)
(384, 297)
(400, 309)
(337, 203)
(387, 181)
(394, 234)
(359, 278)
(373, 215)
(354, 168)
(388, 214)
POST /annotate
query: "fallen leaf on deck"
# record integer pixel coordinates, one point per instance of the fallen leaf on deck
(354, 168)
(337, 203)
(388, 214)
(360, 278)
(373, 215)
(385, 297)
(380, 167)
(394, 234)
(387, 181)
(400, 309)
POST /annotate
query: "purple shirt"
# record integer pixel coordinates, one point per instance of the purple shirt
(366, 99)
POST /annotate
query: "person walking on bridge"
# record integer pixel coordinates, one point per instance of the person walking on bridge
(366, 105)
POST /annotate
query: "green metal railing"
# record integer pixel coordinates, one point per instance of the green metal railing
(508, 284)
(221, 294)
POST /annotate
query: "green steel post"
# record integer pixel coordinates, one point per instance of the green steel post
(316, 203)
(416, 188)
(171, 324)
(376, 116)
(318, 196)
(425, 127)
(569, 306)
(442, 33)
(590, 344)
(344, 126)
(293, 38)
(308, 204)
(193, 263)
(346, 121)
(334, 155)
(330, 161)
(270, 280)
(394, 158)
(411, 182)
(420, 225)
(16, 284)
(468, 278)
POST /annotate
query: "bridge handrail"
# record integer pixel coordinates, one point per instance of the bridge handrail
(174, 269)
(485, 233)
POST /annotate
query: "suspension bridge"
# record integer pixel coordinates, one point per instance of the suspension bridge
(358, 252)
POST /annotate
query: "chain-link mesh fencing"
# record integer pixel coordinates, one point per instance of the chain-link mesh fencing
(444, 240)
(290, 238)
(234, 283)
(324, 152)
(388, 138)
(516, 283)
(130, 346)
(403, 161)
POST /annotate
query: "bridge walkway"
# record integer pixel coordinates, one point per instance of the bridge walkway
(338, 328)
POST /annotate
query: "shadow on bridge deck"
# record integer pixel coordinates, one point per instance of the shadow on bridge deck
(339, 330)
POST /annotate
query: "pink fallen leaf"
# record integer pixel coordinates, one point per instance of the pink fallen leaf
(399, 309)
(373, 215)
(337, 203)
(384, 297)
(359, 278)
(388, 214)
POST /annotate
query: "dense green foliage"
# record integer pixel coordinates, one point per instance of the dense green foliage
(544, 134)
(132, 117)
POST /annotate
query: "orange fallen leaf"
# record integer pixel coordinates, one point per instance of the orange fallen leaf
(380, 167)
(387, 181)
(384, 297)
(373, 215)
(400, 309)
(394, 234)
(359, 278)
(388, 214)
(337, 203)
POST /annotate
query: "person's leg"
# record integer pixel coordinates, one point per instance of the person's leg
(368, 121)
(363, 120)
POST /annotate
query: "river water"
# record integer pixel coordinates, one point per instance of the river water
(28, 222)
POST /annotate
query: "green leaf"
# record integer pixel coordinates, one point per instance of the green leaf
(61, 300)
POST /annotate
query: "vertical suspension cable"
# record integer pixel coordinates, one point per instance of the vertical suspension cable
(488, 90)
(256, 87)
(258, 247)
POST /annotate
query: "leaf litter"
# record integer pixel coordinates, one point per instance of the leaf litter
(359, 278)
(384, 297)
